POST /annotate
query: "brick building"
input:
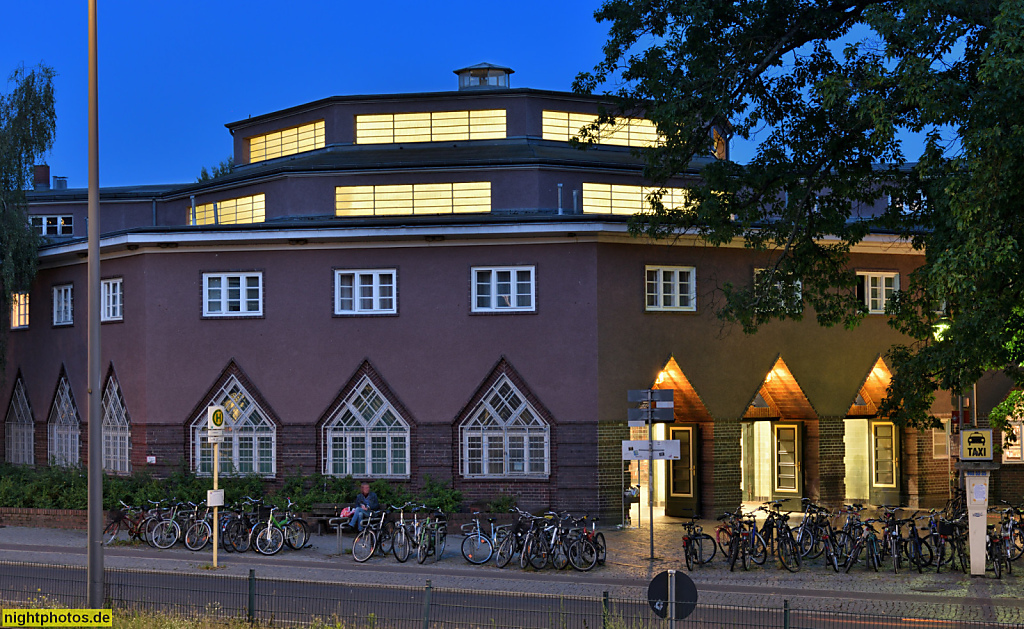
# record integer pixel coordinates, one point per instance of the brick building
(391, 286)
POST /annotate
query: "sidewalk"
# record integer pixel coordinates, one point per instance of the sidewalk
(626, 574)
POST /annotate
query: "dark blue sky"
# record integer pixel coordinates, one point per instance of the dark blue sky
(172, 73)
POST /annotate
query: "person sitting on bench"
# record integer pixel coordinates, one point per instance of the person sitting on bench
(366, 501)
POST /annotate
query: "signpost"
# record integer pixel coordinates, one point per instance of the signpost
(657, 407)
(976, 457)
(673, 595)
(215, 498)
(640, 450)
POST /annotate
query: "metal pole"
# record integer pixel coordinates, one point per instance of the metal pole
(94, 417)
(672, 599)
(650, 471)
(785, 614)
(216, 520)
(252, 595)
(604, 609)
(426, 606)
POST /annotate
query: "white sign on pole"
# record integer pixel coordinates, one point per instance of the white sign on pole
(641, 450)
(215, 435)
(637, 424)
(215, 497)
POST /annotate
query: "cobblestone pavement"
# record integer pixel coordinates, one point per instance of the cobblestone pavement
(626, 575)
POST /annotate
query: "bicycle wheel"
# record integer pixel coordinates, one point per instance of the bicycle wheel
(424, 543)
(997, 561)
(477, 549)
(894, 548)
(165, 534)
(268, 540)
(841, 546)
(1017, 544)
(386, 538)
(364, 544)
(704, 548)
(198, 535)
(540, 554)
(961, 551)
(806, 541)
(688, 551)
(402, 546)
(789, 556)
(758, 549)
(851, 558)
(602, 548)
(724, 539)
(147, 527)
(927, 556)
(296, 533)
(505, 551)
(940, 555)
(874, 555)
(736, 549)
(583, 555)
(110, 533)
(440, 539)
(913, 551)
(560, 555)
(238, 534)
(527, 548)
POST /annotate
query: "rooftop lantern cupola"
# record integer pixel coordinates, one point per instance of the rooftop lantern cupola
(484, 76)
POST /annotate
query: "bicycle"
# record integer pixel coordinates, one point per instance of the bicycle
(866, 541)
(366, 541)
(432, 538)
(778, 537)
(199, 532)
(131, 519)
(478, 545)
(698, 547)
(995, 550)
(166, 532)
(405, 533)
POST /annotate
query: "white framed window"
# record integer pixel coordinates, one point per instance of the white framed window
(232, 294)
(504, 436)
(19, 428)
(671, 288)
(784, 292)
(366, 436)
(940, 441)
(112, 300)
(19, 311)
(117, 436)
(365, 292)
(876, 289)
(1013, 449)
(52, 225)
(504, 289)
(250, 437)
(63, 428)
(63, 305)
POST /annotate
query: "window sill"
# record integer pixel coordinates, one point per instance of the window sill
(346, 315)
(532, 477)
(505, 311)
(214, 317)
(671, 310)
(106, 321)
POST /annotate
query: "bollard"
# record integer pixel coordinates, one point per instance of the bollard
(252, 595)
(604, 609)
(426, 607)
(785, 614)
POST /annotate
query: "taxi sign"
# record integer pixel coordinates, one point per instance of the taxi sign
(214, 417)
(976, 444)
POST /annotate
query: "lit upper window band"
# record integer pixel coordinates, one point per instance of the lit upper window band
(420, 198)
(437, 126)
(565, 125)
(289, 141)
(602, 198)
(231, 211)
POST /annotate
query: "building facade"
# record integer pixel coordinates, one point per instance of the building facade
(441, 284)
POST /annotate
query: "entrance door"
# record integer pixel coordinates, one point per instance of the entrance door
(683, 498)
(787, 468)
(884, 451)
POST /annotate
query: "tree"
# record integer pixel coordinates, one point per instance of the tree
(28, 123)
(830, 85)
(221, 169)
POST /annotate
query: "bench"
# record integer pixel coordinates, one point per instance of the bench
(324, 512)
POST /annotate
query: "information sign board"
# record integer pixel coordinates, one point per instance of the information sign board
(641, 450)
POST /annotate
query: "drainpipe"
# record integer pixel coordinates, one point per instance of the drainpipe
(575, 199)
(154, 211)
(193, 217)
(559, 199)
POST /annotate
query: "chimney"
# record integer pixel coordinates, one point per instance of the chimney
(60, 183)
(41, 177)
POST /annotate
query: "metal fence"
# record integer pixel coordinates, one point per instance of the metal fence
(352, 606)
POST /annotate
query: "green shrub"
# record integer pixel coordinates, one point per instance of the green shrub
(502, 503)
(437, 495)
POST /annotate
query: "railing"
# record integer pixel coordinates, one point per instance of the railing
(294, 602)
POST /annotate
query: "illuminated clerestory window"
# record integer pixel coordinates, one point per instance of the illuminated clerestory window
(420, 198)
(431, 126)
(565, 125)
(602, 198)
(288, 141)
(231, 211)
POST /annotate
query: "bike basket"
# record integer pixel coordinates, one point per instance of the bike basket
(945, 528)
(263, 513)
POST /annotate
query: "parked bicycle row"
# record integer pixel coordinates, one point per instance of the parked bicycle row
(249, 524)
(936, 539)
(553, 539)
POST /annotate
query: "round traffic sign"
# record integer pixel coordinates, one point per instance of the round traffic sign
(686, 595)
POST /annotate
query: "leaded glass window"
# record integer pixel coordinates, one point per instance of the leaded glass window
(250, 436)
(63, 427)
(19, 429)
(117, 436)
(366, 436)
(504, 436)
